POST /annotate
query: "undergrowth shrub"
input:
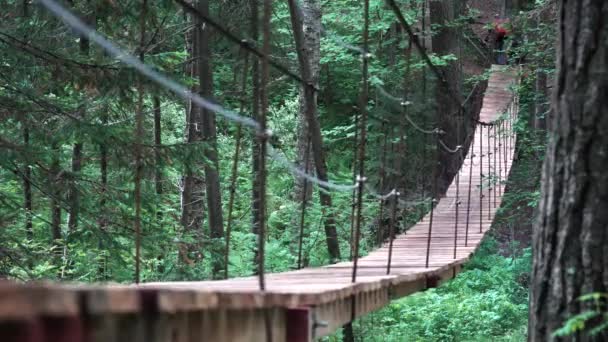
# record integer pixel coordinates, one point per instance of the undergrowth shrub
(488, 301)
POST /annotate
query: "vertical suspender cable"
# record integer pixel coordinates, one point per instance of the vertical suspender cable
(397, 163)
(380, 236)
(425, 157)
(304, 201)
(354, 194)
(489, 175)
(458, 142)
(496, 179)
(391, 234)
(364, 99)
(471, 156)
(499, 184)
(263, 136)
(513, 122)
(433, 201)
(263, 148)
(505, 143)
(480, 178)
(139, 132)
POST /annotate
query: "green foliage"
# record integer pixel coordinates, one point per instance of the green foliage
(488, 301)
(592, 322)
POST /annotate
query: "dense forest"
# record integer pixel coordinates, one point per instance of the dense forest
(197, 140)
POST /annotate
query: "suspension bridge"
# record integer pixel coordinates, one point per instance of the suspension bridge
(298, 305)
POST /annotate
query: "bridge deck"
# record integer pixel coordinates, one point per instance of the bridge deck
(322, 298)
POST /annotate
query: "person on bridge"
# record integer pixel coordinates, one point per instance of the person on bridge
(500, 31)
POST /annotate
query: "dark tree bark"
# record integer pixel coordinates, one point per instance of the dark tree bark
(209, 135)
(137, 151)
(316, 138)
(445, 41)
(570, 242)
(193, 184)
(255, 113)
(311, 21)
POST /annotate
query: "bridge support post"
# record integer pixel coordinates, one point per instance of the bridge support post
(299, 325)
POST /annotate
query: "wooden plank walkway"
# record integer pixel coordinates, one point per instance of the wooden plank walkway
(309, 303)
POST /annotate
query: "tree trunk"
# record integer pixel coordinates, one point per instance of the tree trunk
(138, 148)
(331, 234)
(212, 178)
(193, 184)
(570, 242)
(445, 41)
(311, 21)
(255, 114)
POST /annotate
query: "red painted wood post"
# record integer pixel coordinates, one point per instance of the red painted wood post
(65, 329)
(298, 325)
(22, 330)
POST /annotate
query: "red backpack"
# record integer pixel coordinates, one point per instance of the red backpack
(500, 29)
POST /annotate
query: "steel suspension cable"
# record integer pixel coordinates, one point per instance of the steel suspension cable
(433, 202)
(363, 106)
(181, 91)
(496, 178)
(267, 14)
(243, 43)
(139, 132)
(380, 236)
(397, 165)
(481, 177)
(500, 157)
(471, 156)
(354, 192)
(391, 234)
(458, 128)
(416, 42)
(263, 147)
(489, 177)
(505, 146)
